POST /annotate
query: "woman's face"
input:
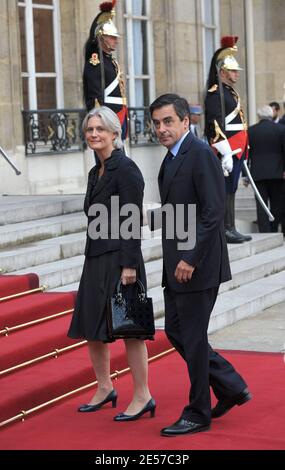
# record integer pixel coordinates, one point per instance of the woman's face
(98, 137)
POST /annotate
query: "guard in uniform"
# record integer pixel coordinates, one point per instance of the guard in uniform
(102, 78)
(225, 126)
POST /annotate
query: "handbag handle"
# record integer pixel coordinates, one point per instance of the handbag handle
(119, 293)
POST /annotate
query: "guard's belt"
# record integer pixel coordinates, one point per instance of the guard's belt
(235, 127)
(114, 100)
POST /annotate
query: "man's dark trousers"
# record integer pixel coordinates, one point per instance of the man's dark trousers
(186, 322)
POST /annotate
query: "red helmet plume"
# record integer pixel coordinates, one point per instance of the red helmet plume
(228, 41)
(107, 6)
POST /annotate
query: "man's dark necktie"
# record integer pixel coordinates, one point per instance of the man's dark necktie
(167, 163)
(168, 158)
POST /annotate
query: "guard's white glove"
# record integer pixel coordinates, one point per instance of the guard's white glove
(224, 148)
(227, 163)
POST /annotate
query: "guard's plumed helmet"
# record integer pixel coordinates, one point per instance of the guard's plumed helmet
(225, 58)
(103, 23)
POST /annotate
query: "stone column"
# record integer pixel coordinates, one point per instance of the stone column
(72, 54)
(11, 130)
(178, 66)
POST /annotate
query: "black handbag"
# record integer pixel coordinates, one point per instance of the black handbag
(130, 317)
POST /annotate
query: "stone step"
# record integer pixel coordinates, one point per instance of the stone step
(58, 273)
(232, 305)
(245, 206)
(247, 300)
(68, 271)
(246, 226)
(152, 249)
(55, 249)
(245, 203)
(260, 242)
(247, 270)
(17, 209)
(67, 288)
(154, 273)
(244, 272)
(23, 233)
(42, 252)
(243, 302)
(247, 214)
(27, 232)
(156, 293)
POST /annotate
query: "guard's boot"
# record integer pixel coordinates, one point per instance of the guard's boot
(231, 236)
(246, 238)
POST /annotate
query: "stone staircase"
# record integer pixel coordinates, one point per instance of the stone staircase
(245, 209)
(46, 235)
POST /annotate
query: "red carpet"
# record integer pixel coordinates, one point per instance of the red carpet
(10, 285)
(259, 424)
(35, 341)
(32, 307)
(40, 382)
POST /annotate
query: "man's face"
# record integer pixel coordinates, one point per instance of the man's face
(229, 77)
(195, 118)
(275, 112)
(109, 43)
(168, 126)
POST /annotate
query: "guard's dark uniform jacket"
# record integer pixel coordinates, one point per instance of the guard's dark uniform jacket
(114, 95)
(234, 129)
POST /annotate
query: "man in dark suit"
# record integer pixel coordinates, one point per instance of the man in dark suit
(276, 110)
(267, 165)
(192, 174)
(282, 120)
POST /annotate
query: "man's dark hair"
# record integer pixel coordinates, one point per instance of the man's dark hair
(180, 105)
(275, 105)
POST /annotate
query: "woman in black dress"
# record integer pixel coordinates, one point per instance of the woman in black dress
(108, 259)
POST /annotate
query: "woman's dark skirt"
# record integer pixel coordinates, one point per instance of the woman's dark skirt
(98, 283)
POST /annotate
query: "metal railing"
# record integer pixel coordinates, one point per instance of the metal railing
(54, 131)
(141, 132)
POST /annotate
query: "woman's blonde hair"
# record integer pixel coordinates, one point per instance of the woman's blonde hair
(109, 119)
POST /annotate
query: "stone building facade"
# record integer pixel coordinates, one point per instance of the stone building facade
(166, 46)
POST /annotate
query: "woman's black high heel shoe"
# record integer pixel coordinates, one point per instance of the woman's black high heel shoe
(150, 406)
(112, 396)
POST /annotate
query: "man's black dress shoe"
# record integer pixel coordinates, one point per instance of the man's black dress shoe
(184, 426)
(226, 404)
(150, 406)
(112, 396)
(232, 237)
(246, 238)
